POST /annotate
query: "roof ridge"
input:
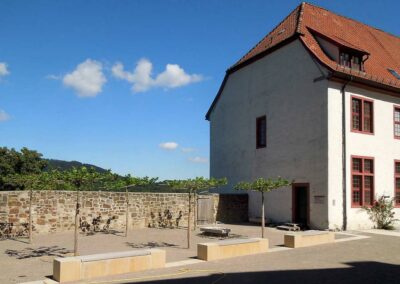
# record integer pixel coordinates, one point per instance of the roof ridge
(274, 29)
(348, 18)
(300, 17)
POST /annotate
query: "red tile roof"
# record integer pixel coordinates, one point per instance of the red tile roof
(383, 48)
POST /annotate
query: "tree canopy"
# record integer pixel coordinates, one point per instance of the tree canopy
(263, 185)
(197, 184)
(23, 162)
(26, 170)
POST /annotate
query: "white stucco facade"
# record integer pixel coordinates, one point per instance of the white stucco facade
(280, 86)
(382, 146)
(304, 137)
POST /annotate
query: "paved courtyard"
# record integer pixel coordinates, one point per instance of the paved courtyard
(17, 255)
(343, 261)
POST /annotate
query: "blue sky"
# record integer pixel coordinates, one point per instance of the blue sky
(69, 89)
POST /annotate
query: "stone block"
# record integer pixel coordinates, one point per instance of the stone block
(67, 269)
(231, 248)
(102, 265)
(308, 238)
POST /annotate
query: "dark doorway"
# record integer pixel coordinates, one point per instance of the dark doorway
(300, 206)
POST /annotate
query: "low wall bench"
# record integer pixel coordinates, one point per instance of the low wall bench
(100, 265)
(308, 238)
(231, 248)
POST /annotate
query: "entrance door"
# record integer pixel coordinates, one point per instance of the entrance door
(300, 206)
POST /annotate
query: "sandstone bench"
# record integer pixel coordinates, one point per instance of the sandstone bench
(231, 248)
(308, 238)
(219, 231)
(100, 265)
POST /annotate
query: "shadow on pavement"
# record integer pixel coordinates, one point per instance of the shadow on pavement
(357, 272)
(150, 245)
(38, 252)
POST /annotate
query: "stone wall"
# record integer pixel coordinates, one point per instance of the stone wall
(54, 211)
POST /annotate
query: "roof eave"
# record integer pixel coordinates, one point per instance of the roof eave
(244, 64)
(340, 76)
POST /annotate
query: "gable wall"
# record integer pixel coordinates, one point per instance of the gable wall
(281, 87)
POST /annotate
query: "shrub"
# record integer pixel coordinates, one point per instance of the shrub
(381, 213)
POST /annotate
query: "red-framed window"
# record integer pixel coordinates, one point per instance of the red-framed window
(362, 181)
(362, 115)
(261, 132)
(396, 122)
(397, 183)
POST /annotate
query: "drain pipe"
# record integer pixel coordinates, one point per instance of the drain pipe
(344, 161)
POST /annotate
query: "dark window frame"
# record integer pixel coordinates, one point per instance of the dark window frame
(395, 109)
(261, 136)
(350, 62)
(362, 174)
(396, 188)
(362, 116)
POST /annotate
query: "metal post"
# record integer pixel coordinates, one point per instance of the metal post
(30, 216)
(262, 216)
(195, 212)
(76, 223)
(127, 211)
(189, 233)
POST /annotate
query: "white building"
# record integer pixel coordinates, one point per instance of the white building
(316, 101)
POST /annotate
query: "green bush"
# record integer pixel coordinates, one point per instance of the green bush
(381, 213)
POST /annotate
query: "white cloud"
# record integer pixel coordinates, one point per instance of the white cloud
(53, 77)
(198, 160)
(142, 79)
(169, 146)
(188, 150)
(4, 116)
(87, 79)
(4, 69)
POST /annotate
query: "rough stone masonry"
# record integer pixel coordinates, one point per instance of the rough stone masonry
(54, 211)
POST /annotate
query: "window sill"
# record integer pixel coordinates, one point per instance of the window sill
(361, 206)
(363, 132)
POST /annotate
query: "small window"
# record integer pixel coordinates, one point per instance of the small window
(351, 60)
(397, 183)
(394, 73)
(396, 123)
(362, 115)
(261, 132)
(362, 186)
(345, 59)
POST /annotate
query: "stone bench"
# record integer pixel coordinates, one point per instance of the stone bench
(308, 238)
(219, 231)
(231, 248)
(101, 265)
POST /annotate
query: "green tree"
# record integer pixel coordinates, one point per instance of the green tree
(31, 162)
(9, 161)
(31, 182)
(80, 177)
(263, 185)
(192, 186)
(13, 162)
